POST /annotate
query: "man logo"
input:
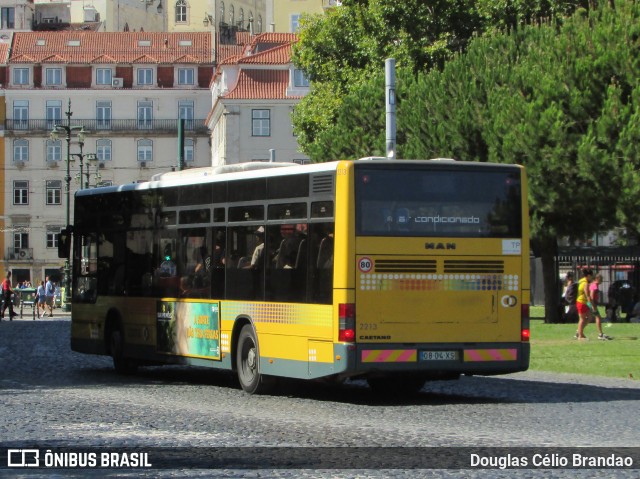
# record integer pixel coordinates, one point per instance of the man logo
(509, 301)
(440, 246)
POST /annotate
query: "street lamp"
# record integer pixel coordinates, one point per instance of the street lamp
(84, 176)
(67, 130)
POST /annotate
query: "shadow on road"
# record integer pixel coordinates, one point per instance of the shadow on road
(36, 355)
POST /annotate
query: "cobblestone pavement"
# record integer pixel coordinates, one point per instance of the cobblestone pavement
(53, 397)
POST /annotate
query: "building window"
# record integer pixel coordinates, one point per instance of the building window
(21, 114)
(54, 113)
(20, 76)
(21, 192)
(241, 20)
(232, 15)
(295, 22)
(145, 150)
(54, 192)
(21, 150)
(53, 234)
(104, 76)
(299, 79)
(188, 150)
(145, 76)
(8, 17)
(145, 114)
(302, 161)
(103, 114)
(21, 239)
(53, 76)
(103, 150)
(259, 27)
(261, 121)
(181, 11)
(54, 150)
(185, 76)
(185, 112)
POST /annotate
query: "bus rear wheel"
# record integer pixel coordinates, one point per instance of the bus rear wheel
(121, 364)
(247, 363)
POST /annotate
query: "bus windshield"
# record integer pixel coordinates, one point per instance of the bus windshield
(435, 202)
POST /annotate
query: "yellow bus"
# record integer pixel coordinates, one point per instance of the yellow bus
(395, 271)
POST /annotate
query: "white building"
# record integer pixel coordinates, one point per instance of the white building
(128, 91)
(253, 95)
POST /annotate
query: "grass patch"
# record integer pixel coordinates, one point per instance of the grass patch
(554, 349)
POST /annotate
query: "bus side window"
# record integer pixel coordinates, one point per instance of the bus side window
(321, 257)
(244, 280)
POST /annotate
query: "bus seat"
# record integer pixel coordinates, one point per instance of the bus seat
(301, 257)
(325, 253)
(244, 262)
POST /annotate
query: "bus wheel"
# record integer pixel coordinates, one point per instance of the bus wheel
(396, 385)
(121, 364)
(247, 363)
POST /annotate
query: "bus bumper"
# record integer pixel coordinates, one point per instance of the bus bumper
(443, 359)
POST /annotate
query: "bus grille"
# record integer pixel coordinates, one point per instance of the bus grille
(405, 266)
(465, 266)
(322, 184)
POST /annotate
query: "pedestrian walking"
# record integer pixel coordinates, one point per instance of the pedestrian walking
(49, 291)
(595, 301)
(583, 302)
(7, 292)
(41, 300)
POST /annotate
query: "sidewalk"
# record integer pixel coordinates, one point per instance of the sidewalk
(28, 315)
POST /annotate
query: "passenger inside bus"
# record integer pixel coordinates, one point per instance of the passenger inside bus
(258, 252)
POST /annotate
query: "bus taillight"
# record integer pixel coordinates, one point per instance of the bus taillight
(347, 322)
(525, 332)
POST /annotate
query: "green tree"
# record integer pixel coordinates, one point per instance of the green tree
(346, 46)
(561, 98)
(563, 102)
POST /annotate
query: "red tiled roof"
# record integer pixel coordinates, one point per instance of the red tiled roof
(4, 53)
(271, 37)
(226, 52)
(256, 84)
(274, 56)
(118, 47)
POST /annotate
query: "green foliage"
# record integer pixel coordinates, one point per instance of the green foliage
(343, 48)
(555, 100)
(346, 46)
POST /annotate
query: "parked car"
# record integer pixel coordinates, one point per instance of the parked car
(621, 296)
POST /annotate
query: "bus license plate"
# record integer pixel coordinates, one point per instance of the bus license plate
(438, 355)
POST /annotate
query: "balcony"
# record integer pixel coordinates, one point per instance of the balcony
(156, 126)
(20, 254)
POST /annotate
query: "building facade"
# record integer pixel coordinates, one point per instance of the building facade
(283, 16)
(219, 16)
(127, 91)
(253, 96)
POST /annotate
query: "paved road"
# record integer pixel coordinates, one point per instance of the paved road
(53, 397)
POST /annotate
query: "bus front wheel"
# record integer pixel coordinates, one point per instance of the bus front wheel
(121, 364)
(248, 364)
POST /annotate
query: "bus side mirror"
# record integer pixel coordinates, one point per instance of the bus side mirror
(64, 242)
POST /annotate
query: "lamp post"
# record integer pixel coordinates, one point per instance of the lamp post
(67, 129)
(84, 176)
